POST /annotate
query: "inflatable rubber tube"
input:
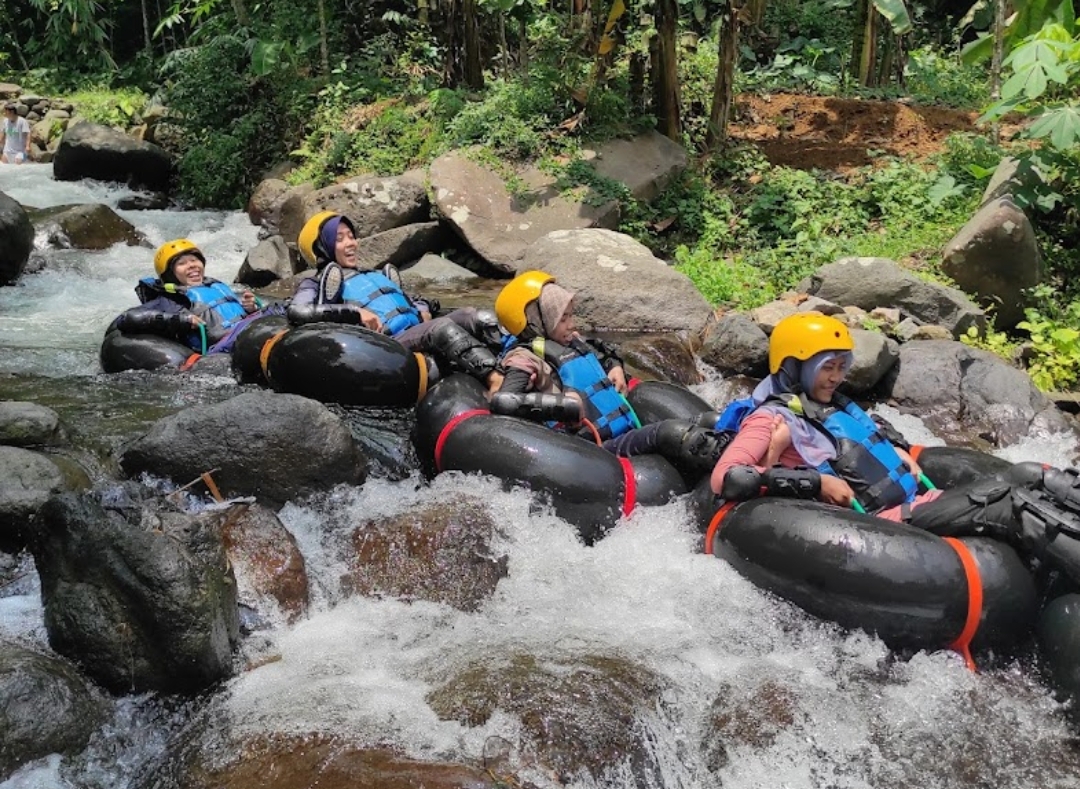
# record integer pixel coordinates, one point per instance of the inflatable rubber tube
(654, 401)
(1059, 635)
(950, 467)
(586, 485)
(909, 587)
(351, 365)
(121, 352)
(247, 351)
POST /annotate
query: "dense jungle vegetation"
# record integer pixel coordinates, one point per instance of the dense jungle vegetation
(336, 87)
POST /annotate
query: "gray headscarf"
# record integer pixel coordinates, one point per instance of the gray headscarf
(795, 377)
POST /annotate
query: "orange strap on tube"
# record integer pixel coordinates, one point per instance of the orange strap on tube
(421, 388)
(714, 524)
(190, 362)
(595, 432)
(962, 644)
(264, 354)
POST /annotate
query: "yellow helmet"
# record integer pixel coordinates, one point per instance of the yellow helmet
(512, 300)
(171, 250)
(309, 242)
(804, 334)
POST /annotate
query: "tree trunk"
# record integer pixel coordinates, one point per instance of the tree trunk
(667, 77)
(869, 49)
(324, 47)
(240, 10)
(995, 64)
(523, 48)
(724, 86)
(504, 47)
(474, 67)
(862, 12)
(146, 29)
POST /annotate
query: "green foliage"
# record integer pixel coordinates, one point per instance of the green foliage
(117, 108)
(996, 342)
(943, 78)
(232, 122)
(1054, 344)
(75, 36)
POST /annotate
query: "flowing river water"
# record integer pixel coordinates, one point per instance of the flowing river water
(850, 715)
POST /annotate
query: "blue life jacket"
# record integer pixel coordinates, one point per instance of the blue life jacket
(213, 301)
(865, 458)
(580, 370)
(376, 292)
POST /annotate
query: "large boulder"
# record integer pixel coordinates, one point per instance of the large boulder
(996, 257)
(737, 344)
(401, 245)
(270, 260)
(500, 223)
(16, 239)
(142, 599)
(869, 283)
(89, 150)
(91, 226)
(46, 707)
(620, 284)
(956, 389)
(373, 204)
(274, 446)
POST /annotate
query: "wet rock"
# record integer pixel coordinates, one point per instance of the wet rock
(266, 561)
(157, 201)
(737, 344)
(575, 714)
(620, 284)
(740, 718)
(662, 357)
(441, 553)
(16, 239)
(29, 424)
(954, 388)
(434, 269)
(94, 226)
(321, 762)
(273, 446)
(27, 480)
(142, 598)
(869, 283)
(89, 150)
(46, 707)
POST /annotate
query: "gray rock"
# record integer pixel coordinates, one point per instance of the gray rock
(373, 204)
(29, 424)
(620, 284)
(93, 226)
(816, 304)
(869, 283)
(270, 260)
(996, 257)
(89, 150)
(401, 245)
(46, 707)
(737, 344)
(436, 269)
(1010, 177)
(27, 479)
(645, 164)
(16, 239)
(875, 355)
(143, 599)
(768, 315)
(274, 446)
(954, 388)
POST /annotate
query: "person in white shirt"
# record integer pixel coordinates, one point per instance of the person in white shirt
(15, 134)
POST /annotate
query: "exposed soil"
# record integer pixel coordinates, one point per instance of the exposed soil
(839, 134)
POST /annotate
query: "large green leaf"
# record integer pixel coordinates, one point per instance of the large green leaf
(897, 14)
(1060, 125)
(979, 50)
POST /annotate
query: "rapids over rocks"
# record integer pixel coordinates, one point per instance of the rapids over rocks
(637, 662)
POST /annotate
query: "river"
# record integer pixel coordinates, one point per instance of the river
(855, 716)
